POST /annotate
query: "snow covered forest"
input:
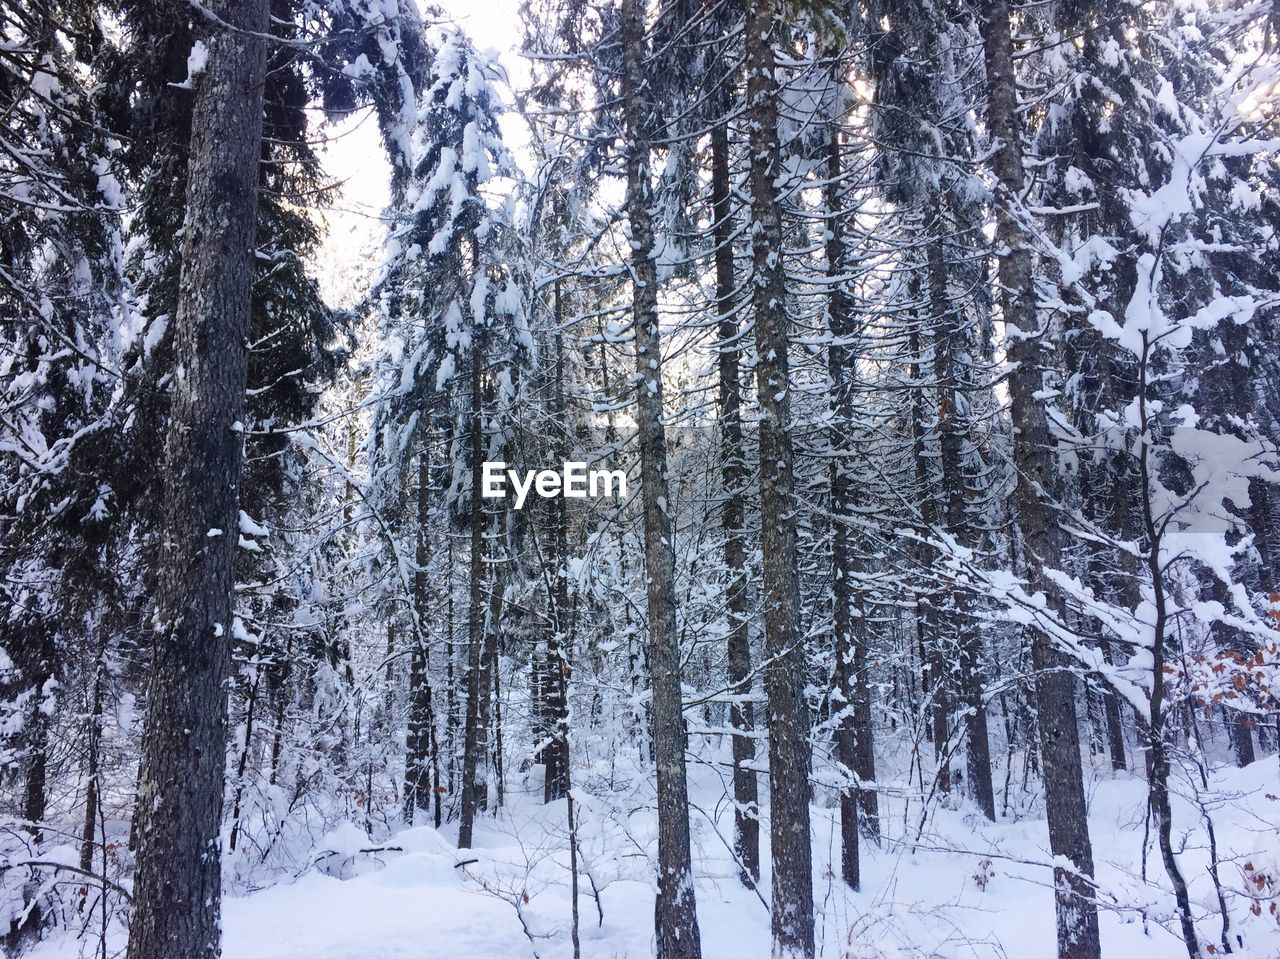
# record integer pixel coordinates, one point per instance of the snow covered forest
(936, 344)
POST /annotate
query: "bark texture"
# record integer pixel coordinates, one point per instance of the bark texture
(555, 752)
(1077, 914)
(1158, 732)
(418, 751)
(853, 734)
(948, 333)
(484, 601)
(177, 889)
(675, 911)
(788, 715)
(746, 815)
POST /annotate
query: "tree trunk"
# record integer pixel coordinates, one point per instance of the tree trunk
(1111, 713)
(928, 614)
(946, 333)
(479, 684)
(35, 741)
(417, 763)
(746, 815)
(788, 719)
(417, 771)
(676, 918)
(93, 787)
(556, 751)
(242, 764)
(490, 713)
(1055, 688)
(1158, 737)
(853, 735)
(1242, 736)
(178, 882)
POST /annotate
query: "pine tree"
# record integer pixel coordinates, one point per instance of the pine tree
(61, 284)
(453, 299)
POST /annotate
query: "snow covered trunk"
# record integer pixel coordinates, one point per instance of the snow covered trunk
(555, 752)
(36, 656)
(417, 760)
(853, 736)
(93, 773)
(675, 909)
(953, 405)
(935, 671)
(1161, 602)
(788, 722)
(479, 678)
(1055, 686)
(746, 820)
(178, 884)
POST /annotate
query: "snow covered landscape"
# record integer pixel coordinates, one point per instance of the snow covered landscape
(626, 478)
(956, 887)
(963, 888)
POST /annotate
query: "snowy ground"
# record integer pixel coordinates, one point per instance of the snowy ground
(967, 889)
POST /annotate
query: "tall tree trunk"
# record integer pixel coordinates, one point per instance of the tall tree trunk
(864, 754)
(789, 751)
(675, 911)
(417, 771)
(178, 882)
(280, 687)
(451, 688)
(37, 673)
(1111, 713)
(1055, 688)
(854, 746)
(490, 711)
(417, 763)
(746, 814)
(556, 751)
(479, 684)
(1158, 736)
(242, 763)
(968, 637)
(93, 774)
(928, 613)
(34, 656)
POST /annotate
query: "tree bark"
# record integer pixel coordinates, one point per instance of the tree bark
(928, 615)
(242, 764)
(177, 886)
(746, 814)
(1158, 733)
(853, 733)
(1077, 915)
(479, 683)
(1111, 713)
(788, 716)
(556, 751)
(675, 909)
(93, 784)
(946, 332)
(1242, 736)
(36, 665)
(417, 763)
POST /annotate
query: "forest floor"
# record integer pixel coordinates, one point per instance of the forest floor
(966, 889)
